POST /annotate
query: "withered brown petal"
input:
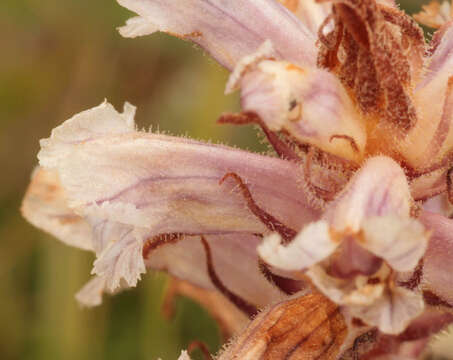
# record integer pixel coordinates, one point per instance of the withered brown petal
(386, 70)
(308, 327)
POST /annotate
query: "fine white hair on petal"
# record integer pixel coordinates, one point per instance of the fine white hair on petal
(228, 30)
(311, 245)
(400, 241)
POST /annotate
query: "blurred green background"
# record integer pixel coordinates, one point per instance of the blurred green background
(58, 58)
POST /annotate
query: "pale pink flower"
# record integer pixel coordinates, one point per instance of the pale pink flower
(344, 238)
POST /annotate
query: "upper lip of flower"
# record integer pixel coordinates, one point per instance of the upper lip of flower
(131, 187)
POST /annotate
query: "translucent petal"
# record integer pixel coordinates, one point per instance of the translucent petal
(225, 28)
(45, 206)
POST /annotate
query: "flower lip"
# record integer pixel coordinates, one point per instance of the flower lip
(351, 255)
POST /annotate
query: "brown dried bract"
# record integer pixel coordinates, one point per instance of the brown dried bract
(309, 327)
(378, 58)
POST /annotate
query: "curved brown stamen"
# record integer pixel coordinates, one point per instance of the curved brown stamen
(160, 240)
(268, 220)
(282, 149)
(415, 279)
(286, 285)
(435, 300)
(199, 345)
(450, 185)
(242, 304)
(346, 137)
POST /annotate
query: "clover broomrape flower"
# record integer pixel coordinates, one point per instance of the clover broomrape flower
(343, 239)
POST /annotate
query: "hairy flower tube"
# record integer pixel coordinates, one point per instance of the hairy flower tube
(337, 247)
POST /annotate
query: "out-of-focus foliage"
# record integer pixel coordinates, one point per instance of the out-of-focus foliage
(58, 58)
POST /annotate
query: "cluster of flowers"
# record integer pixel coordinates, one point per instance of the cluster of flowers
(338, 247)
